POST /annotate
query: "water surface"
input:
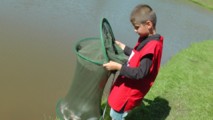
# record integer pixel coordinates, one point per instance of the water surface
(37, 37)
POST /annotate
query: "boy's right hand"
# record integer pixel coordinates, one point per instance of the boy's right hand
(111, 65)
(120, 44)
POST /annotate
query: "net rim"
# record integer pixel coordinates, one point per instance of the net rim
(87, 58)
(106, 59)
(102, 37)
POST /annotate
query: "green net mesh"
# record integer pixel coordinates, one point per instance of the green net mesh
(83, 100)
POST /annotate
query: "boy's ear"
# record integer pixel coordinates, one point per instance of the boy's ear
(149, 24)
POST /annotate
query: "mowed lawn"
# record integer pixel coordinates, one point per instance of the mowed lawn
(183, 89)
(206, 3)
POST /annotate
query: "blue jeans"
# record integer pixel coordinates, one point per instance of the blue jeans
(117, 115)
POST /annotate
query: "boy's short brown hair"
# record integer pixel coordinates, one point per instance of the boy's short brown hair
(141, 13)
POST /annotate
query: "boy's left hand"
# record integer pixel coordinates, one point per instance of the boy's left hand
(111, 65)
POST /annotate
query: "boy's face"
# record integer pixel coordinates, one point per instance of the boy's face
(142, 29)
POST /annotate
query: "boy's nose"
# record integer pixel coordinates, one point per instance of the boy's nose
(136, 31)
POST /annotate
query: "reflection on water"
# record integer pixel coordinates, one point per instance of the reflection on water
(36, 39)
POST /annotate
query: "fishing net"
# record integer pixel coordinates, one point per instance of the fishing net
(83, 100)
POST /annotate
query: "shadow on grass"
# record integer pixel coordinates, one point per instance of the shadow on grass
(157, 109)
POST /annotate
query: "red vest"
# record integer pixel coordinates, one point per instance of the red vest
(128, 92)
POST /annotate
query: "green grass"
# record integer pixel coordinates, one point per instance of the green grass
(183, 89)
(205, 3)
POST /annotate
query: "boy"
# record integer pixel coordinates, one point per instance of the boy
(138, 74)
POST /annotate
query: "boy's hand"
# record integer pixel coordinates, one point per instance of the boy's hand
(120, 44)
(111, 65)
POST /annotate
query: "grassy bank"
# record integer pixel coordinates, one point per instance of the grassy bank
(183, 89)
(205, 3)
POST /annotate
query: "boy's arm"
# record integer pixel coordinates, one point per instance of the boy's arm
(139, 72)
(127, 50)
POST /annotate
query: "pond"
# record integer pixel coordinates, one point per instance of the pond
(37, 39)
